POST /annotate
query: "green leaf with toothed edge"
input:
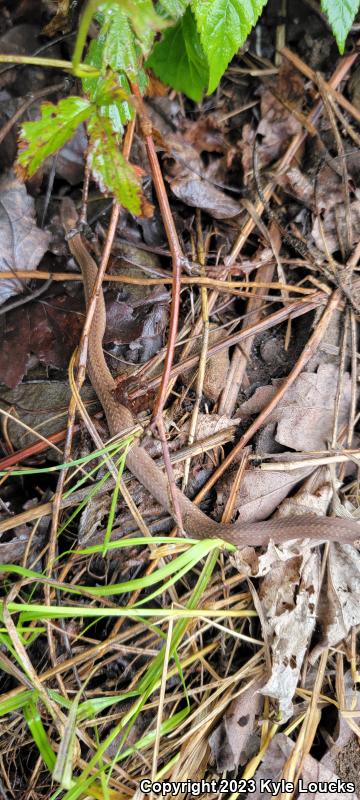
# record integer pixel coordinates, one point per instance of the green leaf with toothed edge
(224, 25)
(142, 17)
(341, 15)
(47, 135)
(119, 111)
(109, 167)
(179, 60)
(173, 8)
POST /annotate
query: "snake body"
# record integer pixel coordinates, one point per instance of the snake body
(144, 468)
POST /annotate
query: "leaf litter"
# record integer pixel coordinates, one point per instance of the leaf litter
(23, 243)
(247, 675)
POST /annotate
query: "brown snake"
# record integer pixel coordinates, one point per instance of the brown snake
(140, 464)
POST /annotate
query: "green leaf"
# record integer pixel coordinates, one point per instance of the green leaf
(174, 8)
(63, 768)
(118, 111)
(224, 25)
(39, 734)
(114, 48)
(179, 59)
(57, 125)
(120, 51)
(109, 168)
(142, 17)
(341, 15)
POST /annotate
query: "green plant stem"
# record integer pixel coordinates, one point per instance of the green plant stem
(84, 26)
(55, 63)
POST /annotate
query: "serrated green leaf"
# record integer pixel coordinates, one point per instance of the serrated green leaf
(142, 17)
(94, 57)
(57, 125)
(120, 51)
(119, 111)
(174, 8)
(224, 26)
(341, 15)
(109, 89)
(109, 168)
(179, 60)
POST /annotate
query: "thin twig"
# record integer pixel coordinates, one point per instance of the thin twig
(354, 378)
(177, 258)
(204, 349)
(341, 153)
(225, 285)
(6, 128)
(340, 382)
(293, 310)
(344, 66)
(24, 299)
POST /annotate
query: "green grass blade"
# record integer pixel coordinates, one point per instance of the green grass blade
(38, 733)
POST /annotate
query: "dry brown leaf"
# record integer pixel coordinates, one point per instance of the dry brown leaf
(197, 192)
(69, 163)
(11, 552)
(312, 770)
(138, 323)
(208, 424)
(216, 367)
(298, 185)
(340, 597)
(91, 517)
(60, 22)
(43, 406)
(205, 134)
(277, 124)
(344, 755)
(305, 414)
(260, 492)
(23, 244)
(313, 497)
(329, 189)
(315, 772)
(334, 226)
(288, 596)
(48, 328)
(19, 40)
(230, 741)
(190, 181)
(272, 765)
(290, 592)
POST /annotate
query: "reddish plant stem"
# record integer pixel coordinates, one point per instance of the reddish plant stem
(176, 256)
(38, 447)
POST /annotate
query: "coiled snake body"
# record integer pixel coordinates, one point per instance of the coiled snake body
(144, 468)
